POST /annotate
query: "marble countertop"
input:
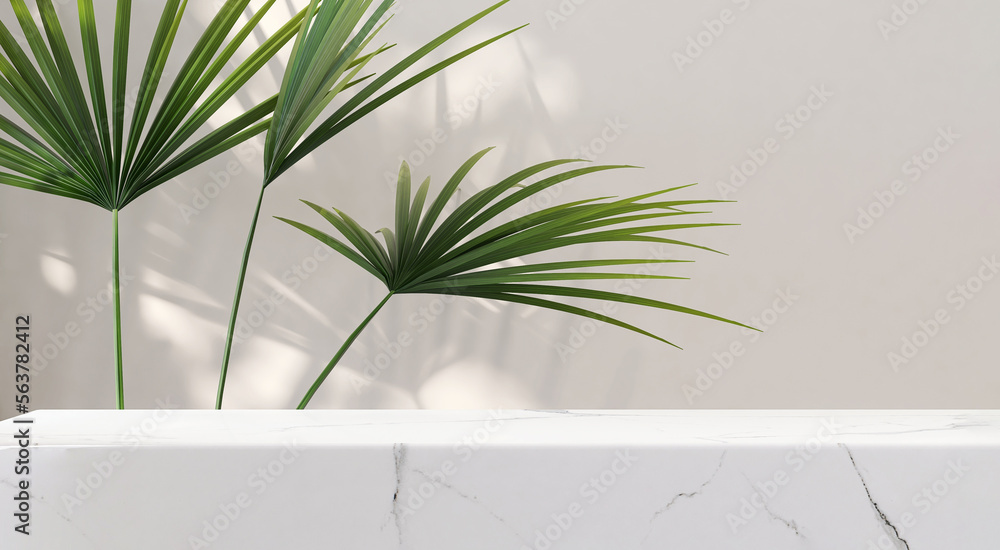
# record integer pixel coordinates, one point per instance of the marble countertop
(528, 427)
(500, 480)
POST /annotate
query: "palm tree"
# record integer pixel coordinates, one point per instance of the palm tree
(330, 53)
(454, 257)
(72, 141)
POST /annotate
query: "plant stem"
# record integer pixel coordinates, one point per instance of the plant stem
(343, 349)
(118, 317)
(236, 302)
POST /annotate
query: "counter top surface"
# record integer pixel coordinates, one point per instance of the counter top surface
(165, 427)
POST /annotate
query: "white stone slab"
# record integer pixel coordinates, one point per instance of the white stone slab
(481, 480)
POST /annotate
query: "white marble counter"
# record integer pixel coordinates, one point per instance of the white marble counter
(443, 480)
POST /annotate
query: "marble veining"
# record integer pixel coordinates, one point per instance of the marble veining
(535, 480)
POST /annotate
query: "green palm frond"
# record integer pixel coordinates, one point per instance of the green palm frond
(331, 51)
(327, 60)
(459, 256)
(73, 139)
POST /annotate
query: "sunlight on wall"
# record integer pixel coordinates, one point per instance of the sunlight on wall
(165, 234)
(174, 323)
(349, 389)
(178, 289)
(554, 79)
(284, 292)
(482, 90)
(474, 386)
(58, 273)
(255, 372)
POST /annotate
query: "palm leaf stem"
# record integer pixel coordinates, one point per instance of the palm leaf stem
(340, 353)
(119, 375)
(231, 331)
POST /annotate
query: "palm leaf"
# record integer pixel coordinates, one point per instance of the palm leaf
(334, 43)
(85, 133)
(449, 258)
(321, 56)
(74, 140)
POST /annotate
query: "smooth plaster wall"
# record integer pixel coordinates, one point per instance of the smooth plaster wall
(869, 89)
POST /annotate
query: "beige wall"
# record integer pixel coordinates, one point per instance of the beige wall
(828, 105)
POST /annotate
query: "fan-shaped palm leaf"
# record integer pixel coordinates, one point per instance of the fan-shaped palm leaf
(459, 257)
(72, 140)
(330, 53)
